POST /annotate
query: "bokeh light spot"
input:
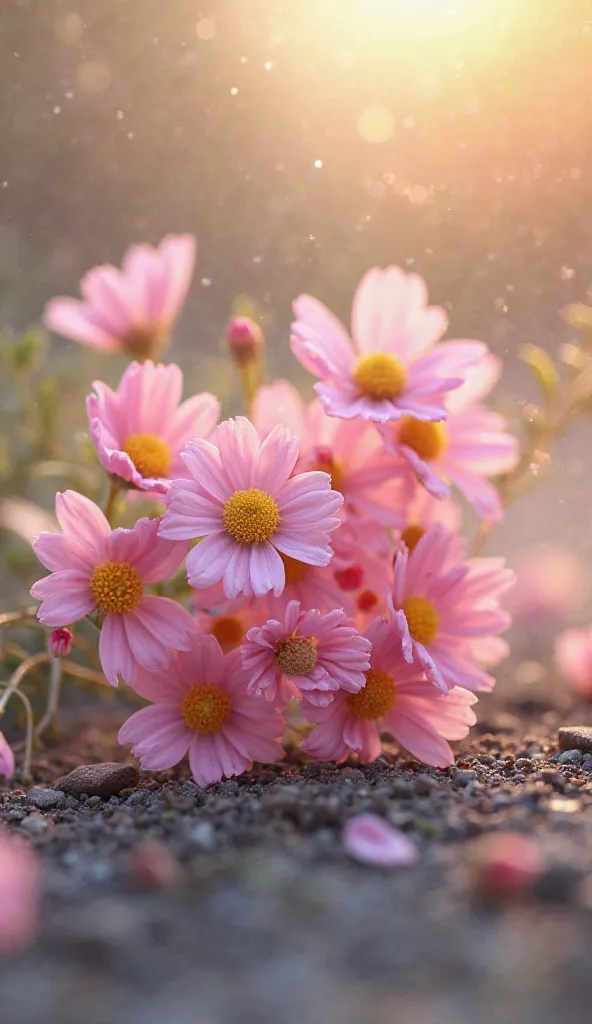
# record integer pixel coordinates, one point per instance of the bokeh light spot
(205, 29)
(375, 124)
(93, 76)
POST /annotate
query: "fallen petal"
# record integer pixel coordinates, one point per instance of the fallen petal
(371, 840)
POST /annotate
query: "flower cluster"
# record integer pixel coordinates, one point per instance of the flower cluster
(320, 542)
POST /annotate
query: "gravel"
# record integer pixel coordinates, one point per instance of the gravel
(237, 904)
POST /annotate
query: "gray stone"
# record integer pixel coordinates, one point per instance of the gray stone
(15, 816)
(44, 799)
(203, 836)
(465, 775)
(573, 737)
(34, 824)
(103, 780)
(587, 763)
(570, 757)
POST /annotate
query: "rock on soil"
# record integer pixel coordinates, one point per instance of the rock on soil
(102, 780)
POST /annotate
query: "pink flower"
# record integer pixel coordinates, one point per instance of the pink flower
(244, 501)
(6, 758)
(140, 429)
(308, 654)
(507, 865)
(395, 699)
(96, 568)
(226, 620)
(448, 610)
(551, 585)
(201, 705)
(130, 310)
(371, 840)
(470, 446)
(375, 484)
(60, 642)
(573, 654)
(424, 511)
(387, 371)
(19, 895)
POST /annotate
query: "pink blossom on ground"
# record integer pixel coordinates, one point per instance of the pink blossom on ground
(131, 310)
(6, 758)
(507, 865)
(306, 654)
(396, 699)
(140, 429)
(448, 612)
(249, 507)
(201, 706)
(19, 895)
(550, 586)
(573, 654)
(60, 642)
(390, 366)
(96, 568)
(371, 840)
(465, 450)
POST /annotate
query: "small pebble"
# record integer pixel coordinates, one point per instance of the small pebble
(465, 775)
(34, 824)
(570, 757)
(575, 736)
(203, 836)
(98, 779)
(44, 799)
(587, 763)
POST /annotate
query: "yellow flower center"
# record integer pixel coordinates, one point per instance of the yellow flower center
(116, 587)
(228, 631)
(205, 708)
(375, 699)
(412, 535)
(296, 656)
(326, 463)
(250, 517)
(150, 454)
(144, 342)
(295, 570)
(428, 440)
(379, 375)
(422, 618)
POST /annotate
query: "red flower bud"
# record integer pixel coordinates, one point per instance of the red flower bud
(60, 642)
(244, 338)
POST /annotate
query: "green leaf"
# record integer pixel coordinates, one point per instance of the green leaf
(542, 366)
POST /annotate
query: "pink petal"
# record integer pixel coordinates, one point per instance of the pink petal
(74, 319)
(167, 621)
(370, 840)
(115, 653)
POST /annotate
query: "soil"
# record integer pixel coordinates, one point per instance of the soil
(251, 911)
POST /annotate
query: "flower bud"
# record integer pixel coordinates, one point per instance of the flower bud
(6, 758)
(244, 338)
(507, 865)
(60, 642)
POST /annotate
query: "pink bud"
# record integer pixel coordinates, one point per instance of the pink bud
(507, 865)
(6, 758)
(244, 338)
(19, 895)
(60, 642)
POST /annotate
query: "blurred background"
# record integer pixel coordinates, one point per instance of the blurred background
(303, 142)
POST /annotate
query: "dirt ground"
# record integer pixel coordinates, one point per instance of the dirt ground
(269, 921)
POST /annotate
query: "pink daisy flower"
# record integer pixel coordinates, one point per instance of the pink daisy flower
(140, 429)
(375, 483)
(395, 699)
(201, 706)
(573, 654)
(245, 502)
(424, 511)
(226, 620)
(465, 450)
(131, 310)
(308, 653)
(7, 765)
(387, 371)
(95, 568)
(447, 610)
